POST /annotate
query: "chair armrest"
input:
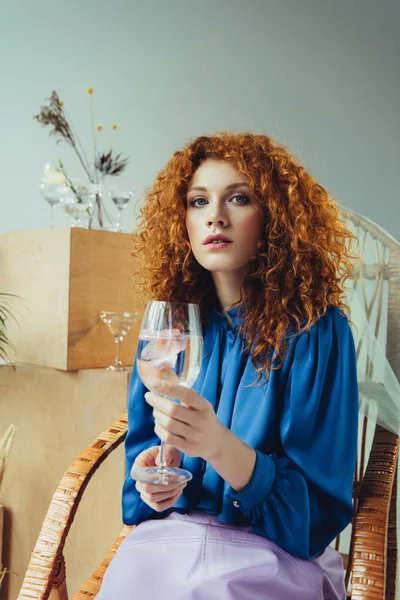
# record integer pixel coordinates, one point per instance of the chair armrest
(369, 559)
(47, 556)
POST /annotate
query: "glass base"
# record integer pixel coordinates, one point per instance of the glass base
(165, 477)
(113, 368)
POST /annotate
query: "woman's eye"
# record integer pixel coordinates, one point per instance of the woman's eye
(241, 199)
(198, 202)
(238, 199)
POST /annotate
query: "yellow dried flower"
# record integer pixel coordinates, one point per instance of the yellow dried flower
(89, 90)
(99, 127)
(61, 103)
(114, 126)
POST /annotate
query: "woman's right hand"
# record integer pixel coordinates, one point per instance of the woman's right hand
(159, 497)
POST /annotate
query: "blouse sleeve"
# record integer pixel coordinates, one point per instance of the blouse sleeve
(301, 499)
(139, 437)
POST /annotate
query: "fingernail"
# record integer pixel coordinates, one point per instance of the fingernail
(157, 384)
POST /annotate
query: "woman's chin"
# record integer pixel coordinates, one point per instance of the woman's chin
(219, 265)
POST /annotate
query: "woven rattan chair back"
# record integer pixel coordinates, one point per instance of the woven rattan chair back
(373, 565)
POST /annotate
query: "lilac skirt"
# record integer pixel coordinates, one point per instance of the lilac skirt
(196, 557)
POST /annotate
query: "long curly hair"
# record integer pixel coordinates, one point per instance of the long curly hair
(302, 262)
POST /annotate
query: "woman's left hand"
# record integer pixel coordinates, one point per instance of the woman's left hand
(192, 427)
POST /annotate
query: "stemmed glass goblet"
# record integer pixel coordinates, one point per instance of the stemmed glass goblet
(54, 189)
(79, 201)
(53, 193)
(118, 323)
(120, 196)
(170, 348)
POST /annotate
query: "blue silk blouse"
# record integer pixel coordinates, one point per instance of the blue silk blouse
(302, 424)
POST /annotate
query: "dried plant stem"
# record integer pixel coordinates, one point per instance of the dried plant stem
(78, 141)
(5, 447)
(75, 147)
(71, 185)
(70, 138)
(94, 139)
(99, 211)
(4, 571)
(5, 314)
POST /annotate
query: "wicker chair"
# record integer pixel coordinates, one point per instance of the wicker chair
(372, 556)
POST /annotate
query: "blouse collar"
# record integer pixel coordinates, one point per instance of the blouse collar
(227, 320)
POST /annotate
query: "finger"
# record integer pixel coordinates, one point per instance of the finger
(160, 497)
(153, 488)
(170, 408)
(170, 438)
(151, 456)
(172, 456)
(171, 424)
(160, 506)
(186, 395)
(146, 459)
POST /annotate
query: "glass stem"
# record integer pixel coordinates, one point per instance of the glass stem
(99, 209)
(51, 215)
(119, 219)
(117, 348)
(162, 465)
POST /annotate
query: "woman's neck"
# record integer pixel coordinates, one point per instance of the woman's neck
(227, 288)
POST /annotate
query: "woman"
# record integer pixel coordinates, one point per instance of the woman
(269, 430)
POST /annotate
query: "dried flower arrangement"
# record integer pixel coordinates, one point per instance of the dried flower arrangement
(105, 163)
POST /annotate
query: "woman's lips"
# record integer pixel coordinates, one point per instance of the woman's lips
(219, 237)
(218, 245)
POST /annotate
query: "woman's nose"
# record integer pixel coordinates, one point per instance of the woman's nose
(216, 217)
(219, 222)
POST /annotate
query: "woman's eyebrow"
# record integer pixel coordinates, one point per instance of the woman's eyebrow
(231, 186)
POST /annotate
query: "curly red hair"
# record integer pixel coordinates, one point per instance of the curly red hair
(303, 260)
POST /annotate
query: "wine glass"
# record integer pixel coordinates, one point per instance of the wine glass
(170, 348)
(53, 193)
(120, 196)
(118, 323)
(79, 201)
(53, 188)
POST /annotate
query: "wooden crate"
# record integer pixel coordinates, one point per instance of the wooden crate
(65, 278)
(57, 414)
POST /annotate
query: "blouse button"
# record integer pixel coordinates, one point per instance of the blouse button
(236, 503)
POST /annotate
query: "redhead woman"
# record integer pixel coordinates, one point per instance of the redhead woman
(269, 430)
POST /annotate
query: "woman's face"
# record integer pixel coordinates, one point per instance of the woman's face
(219, 204)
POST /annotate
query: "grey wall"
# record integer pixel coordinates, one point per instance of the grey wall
(320, 76)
